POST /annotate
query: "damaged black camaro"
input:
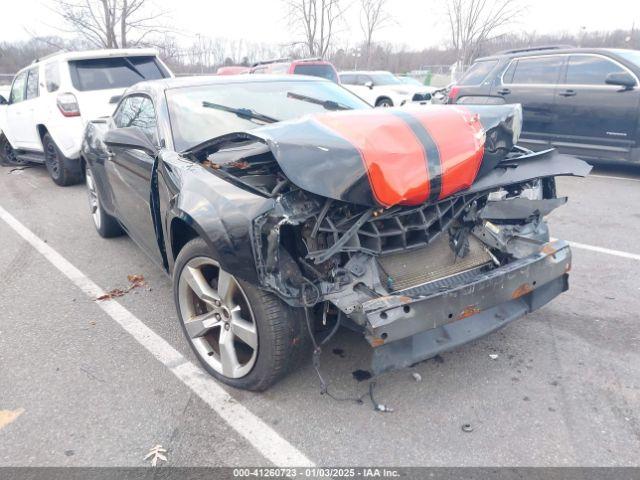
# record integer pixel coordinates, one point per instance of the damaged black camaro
(285, 207)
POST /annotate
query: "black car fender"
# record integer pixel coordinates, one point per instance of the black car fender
(219, 212)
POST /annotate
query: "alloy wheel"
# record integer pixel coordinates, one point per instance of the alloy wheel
(217, 317)
(52, 160)
(94, 202)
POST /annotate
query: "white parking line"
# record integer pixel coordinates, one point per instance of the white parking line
(260, 435)
(608, 251)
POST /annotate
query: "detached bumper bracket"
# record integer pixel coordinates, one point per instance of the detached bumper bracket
(424, 345)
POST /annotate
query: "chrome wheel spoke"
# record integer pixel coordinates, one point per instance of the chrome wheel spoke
(228, 356)
(199, 285)
(245, 331)
(226, 284)
(199, 326)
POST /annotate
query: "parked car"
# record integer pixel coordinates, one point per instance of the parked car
(4, 94)
(384, 89)
(410, 81)
(315, 67)
(582, 101)
(52, 99)
(232, 70)
(279, 204)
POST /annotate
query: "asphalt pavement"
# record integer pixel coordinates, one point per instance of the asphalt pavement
(79, 389)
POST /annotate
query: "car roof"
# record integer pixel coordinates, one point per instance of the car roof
(202, 80)
(547, 50)
(91, 54)
(364, 72)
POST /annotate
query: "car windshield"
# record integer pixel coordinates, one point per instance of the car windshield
(317, 70)
(385, 79)
(113, 72)
(632, 56)
(192, 123)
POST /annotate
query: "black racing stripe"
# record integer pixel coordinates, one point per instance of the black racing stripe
(431, 152)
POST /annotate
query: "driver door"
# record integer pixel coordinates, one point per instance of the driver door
(130, 170)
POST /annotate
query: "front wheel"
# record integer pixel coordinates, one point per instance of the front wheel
(61, 169)
(105, 224)
(243, 336)
(384, 103)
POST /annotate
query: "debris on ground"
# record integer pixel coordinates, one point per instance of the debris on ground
(493, 356)
(18, 170)
(135, 281)
(467, 427)
(361, 375)
(378, 407)
(339, 352)
(8, 416)
(155, 454)
(416, 376)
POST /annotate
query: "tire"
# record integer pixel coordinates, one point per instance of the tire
(7, 154)
(106, 225)
(61, 169)
(255, 328)
(384, 102)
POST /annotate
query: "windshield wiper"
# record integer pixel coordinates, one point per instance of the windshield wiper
(245, 113)
(326, 104)
(131, 66)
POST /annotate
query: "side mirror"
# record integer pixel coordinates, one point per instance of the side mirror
(3, 101)
(369, 85)
(130, 137)
(621, 79)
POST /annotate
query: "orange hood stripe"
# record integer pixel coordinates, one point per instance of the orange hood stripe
(413, 155)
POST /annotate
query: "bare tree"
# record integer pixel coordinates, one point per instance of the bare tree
(474, 22)
(110, 23)
(373, 17)
(317, 20)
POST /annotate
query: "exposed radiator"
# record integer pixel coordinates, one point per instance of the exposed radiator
(408, 269)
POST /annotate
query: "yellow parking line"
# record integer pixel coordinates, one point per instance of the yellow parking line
(8, 416)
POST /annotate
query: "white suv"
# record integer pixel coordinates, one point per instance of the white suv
(384, 89)
(52, 99)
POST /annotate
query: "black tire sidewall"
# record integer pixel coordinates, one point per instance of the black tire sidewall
(67, 175)
(384, 101)
(270, 364)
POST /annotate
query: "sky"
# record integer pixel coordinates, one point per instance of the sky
(416, 23)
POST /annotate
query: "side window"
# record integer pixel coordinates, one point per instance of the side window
(537, 70)
(590, 70)
(17, 89)
(52, 76)
(137, 111)
(362, 79)
(478, 72)
(32, 84)
(348, 79)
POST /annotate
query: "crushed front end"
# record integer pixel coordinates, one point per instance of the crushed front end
(422, 275)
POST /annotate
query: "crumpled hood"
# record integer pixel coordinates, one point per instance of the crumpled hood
(386, 157)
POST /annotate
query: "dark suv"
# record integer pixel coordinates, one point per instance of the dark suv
(583, 101)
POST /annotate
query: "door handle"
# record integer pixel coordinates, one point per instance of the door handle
(568, 93)
(504, 91)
